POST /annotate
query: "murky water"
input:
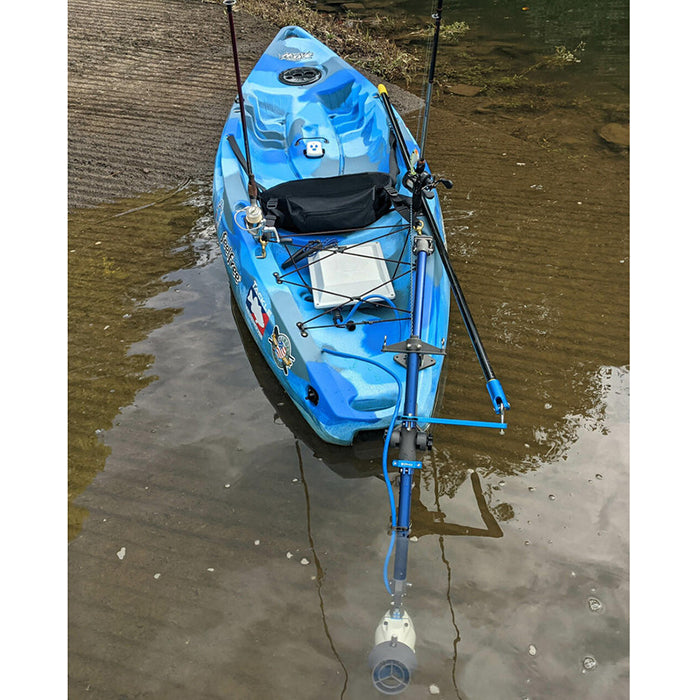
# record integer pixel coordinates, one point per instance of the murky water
(218, 549)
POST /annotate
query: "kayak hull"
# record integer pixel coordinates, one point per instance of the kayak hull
(329, 359)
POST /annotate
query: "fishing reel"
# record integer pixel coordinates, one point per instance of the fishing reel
(434, 182)
(426, 182)
(260, 228)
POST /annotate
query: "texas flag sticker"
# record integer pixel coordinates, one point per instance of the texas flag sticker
(257, 310)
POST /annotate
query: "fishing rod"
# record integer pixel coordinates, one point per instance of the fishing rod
(431, 76)
(493, 385)
(252, 185)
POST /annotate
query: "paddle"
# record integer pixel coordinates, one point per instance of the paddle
(498, 397)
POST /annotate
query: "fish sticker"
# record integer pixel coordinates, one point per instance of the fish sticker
(281, 348)
(257, 309)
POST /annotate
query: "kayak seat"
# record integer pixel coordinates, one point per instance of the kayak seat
(342, 203)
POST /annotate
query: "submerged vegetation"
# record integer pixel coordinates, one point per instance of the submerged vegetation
(393, 47)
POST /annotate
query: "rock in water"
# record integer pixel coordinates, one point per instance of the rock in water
(617, 136)
(465, 90)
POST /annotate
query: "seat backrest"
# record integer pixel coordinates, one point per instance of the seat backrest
(330, 204)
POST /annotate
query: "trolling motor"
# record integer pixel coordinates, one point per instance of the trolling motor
(393, 658)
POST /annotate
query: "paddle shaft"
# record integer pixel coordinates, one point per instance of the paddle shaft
(442, 252)
(252, 186)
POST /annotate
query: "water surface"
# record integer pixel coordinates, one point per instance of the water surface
(218, 549)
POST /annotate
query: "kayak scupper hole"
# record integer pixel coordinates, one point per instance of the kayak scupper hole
(312, 395)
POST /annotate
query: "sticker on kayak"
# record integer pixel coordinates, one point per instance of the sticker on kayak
(281, 350)
(296, 55)
(230, 257)
(257, 309)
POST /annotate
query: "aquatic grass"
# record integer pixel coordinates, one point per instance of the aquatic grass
(451, 33)
(561, 58)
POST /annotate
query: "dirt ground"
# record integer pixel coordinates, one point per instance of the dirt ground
(150, 84)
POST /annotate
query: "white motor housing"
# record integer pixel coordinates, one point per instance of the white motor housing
(399, 627)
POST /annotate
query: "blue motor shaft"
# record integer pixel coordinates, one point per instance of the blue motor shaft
(407, 440)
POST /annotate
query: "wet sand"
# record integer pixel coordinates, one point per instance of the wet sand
(217, 549)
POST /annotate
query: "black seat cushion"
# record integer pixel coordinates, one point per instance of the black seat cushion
(332, 204)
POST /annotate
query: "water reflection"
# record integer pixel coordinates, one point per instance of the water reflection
(433, 522)
(118, 256)
(363, 459)
(319, 571)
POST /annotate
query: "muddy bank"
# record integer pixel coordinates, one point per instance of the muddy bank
(149, 86)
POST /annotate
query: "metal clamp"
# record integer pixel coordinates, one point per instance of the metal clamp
(423, 243)
(406, 464)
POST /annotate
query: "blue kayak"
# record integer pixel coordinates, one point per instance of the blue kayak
(322, 263)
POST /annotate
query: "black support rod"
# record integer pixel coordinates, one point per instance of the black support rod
(252, 185)
(493, 385)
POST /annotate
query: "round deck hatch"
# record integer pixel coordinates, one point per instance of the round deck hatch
(300, 75)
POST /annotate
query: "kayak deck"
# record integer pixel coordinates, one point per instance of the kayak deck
(305, 293)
